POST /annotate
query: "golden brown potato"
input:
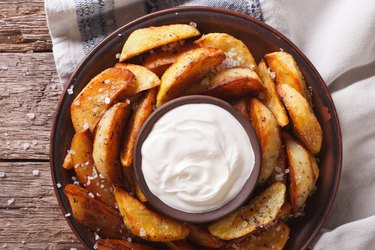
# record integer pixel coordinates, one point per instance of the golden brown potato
(242, 106)
(237, 54)
(145, 223)
(306, 125)
(268, 133)
(287, 72)
(261, 211)
(229, 84)
(284, 212)
(273, 238)
(202, 237)
(94, 214)
(99, 95)
(144, 78)
(159, 61)
(279, 172)
(139, 116)
(189, 68)
(302, 176)
(142, 40)
(107, 244)
(87, 175)
(107, 142)
(269, 96)
(134, 186)
(67, 164)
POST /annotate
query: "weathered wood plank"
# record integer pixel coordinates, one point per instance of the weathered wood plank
(34, 220)
(29, 86)
(23, 26)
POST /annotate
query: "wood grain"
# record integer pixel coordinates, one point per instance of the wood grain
(23, 26)
(34, 220)
(28, 85)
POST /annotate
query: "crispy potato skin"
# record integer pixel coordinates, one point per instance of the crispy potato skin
(261, 211)
(145, 223)
(145, 39)
(273, 238)
(242, 106)
(306, 125)
(268, 133)
(111, 244)
(229, 84)
(270, 97)
(99, 95)
(302, 176)
(133, 184)
(87, 175)
(67, 164)
(201, 236)
(235, 49)
(287, 72)
(189, 68)
(107, 142)
(95, 214)
(139, 116)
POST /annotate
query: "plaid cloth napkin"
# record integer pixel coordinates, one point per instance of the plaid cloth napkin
(338, 36)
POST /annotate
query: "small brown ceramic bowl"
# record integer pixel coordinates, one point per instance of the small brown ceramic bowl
(261, 39)
(203, 217)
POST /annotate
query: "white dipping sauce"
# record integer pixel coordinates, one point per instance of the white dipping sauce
(197, 157)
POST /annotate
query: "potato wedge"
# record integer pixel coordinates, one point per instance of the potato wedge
(159, 61)
(202, 237)
(242, 106)
(142, 40)
(110, 244)
(67, 164)
(287, 72)
(269, 96)
(94, 214)
(189, 68)
(279, 172)
(87, 175)
(306, 125)
(99, 95)
(237, 54)
(134, 186)
(107, 142)
(139, 116)
(229, 84)
(180, 245)
(261, 211)
(284, 212)
(273, 238)
(145, 223)
(268, 133)
(302, 174)
(144, 78)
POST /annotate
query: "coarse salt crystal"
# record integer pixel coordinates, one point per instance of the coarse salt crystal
(74, 178)
(107, 81)
(23, 242)
(279, 177)
(97, 237)
(96, 245)
(85, 126)
(77, 103)
(142, 232)
(117, 55)
(129, 239)
(76, 183)
(34, 142)
(101, 186)
(287, 170)
(67, 215)
(5, 134)
(2, 174)
(107, 100)
(71, 152)
(25, 146)
(36, 172)
(70, 90)
(58, 185)
(4, 67)
(73, 248)
(31, 116)
(127, 101)
(10, 201)
(278, 169)
(193, 24)
(91, 195)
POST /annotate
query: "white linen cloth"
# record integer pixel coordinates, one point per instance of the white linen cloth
(338, 36)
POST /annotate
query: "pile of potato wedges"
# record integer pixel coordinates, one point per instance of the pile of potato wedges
(176, 60)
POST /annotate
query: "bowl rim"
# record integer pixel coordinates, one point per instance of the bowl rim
(246, 190)
(265, 26)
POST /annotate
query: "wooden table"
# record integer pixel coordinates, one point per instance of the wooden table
(29, 86)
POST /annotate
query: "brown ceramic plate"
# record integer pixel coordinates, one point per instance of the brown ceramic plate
(261, 39)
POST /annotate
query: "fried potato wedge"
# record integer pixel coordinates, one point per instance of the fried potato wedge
(242, 106)
(107, 142)
(67, 164)
(94, 214)
(145, 223)
(144, 78)
(134, 186)
(189, 68)
(138, 117)
(273, 238)
(110, 244)
(87, 175)
(228, 84)
(159, 61)
(142, 40)
(270, 97)
(306, 125)
(287, 72)
(237, 54)
(279, 172)
(302, 176)
(268, 133)
(261, 211)
(99, 95)
(202, 237)
(284, 212)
